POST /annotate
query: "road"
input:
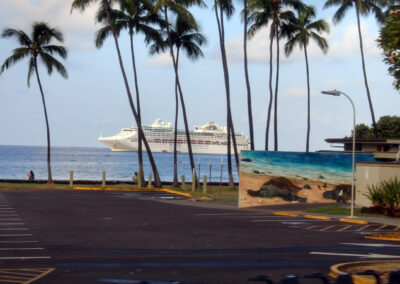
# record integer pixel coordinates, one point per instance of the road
(117, 237)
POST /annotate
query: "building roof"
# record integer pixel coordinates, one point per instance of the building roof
(363, 140)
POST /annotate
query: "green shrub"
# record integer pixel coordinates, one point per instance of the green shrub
(386, 193)
(375, 194)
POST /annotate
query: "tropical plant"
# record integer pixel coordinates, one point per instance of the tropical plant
(302, 30)
(363, 7)
(280, 14)
(189, 39)
(246, 73)
(105, 5)
(38, 46)
(221, 8)
(375, 195)
(134, 16)
(179, 8)
(389, 41)
(386, 193)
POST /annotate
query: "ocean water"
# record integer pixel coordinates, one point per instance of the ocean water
(333, 168)
(89, 163)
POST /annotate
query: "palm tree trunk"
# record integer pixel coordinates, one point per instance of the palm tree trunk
(308, 101)
(49, 177)
(188, 141)
(271, 94)
(276, 91)
(140, 154)
(365, 72)
(157, 181)
(246, 73)
(175, 181)
(228, 117)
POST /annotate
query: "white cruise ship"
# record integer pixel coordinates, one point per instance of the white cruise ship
(207, 139)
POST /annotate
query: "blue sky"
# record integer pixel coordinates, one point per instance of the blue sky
(93, 100)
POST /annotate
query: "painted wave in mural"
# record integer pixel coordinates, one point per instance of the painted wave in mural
(332, 168)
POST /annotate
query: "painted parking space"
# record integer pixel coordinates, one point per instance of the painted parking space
(340, 227)
(23, 275)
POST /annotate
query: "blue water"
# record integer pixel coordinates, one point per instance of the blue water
(333, 167)
(89, 163)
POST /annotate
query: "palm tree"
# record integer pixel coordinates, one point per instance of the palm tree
(304, 29)
(179, 8)
(105, 5)
(363, 7)
(133, 16)
(189, 39)
(280, 13)
(222, 7)
(38, 45)
(260, 15)
(246, 74)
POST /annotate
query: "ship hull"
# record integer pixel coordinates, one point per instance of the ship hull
(208, 139)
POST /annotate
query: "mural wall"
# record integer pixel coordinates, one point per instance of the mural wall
(268, 178)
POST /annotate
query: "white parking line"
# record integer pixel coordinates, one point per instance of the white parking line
(24, 257)
(9, 215)
(16, 235)
(10, 219)
(13, 229)
(7, 224)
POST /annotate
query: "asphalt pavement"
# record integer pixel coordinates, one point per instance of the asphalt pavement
(114, 237)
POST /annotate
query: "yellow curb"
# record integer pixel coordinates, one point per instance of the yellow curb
(317, 217)
(133, 189)
(177, 192)
(353, 221)
(384, 236)
(205, 198)
(286, 214)
(357, 279)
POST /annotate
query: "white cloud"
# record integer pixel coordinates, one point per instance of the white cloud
(343, 41)
(296, 92)
(161, 60)
(78, 28)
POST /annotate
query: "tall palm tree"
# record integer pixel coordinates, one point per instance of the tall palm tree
(189, 39)
(179, 8)
(246, 74)
(303, 29)
(363, 7)
(134, 16)
(221, 8)
(260, 14)
(280, 13)
(105, 5)
(38, 46)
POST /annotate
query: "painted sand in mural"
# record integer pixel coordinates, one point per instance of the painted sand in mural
(268, 178)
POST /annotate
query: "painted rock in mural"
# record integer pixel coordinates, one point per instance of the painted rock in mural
(340, 193)
(278, 187)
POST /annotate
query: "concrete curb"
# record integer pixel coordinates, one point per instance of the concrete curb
(133, 189)
(317, 217)
(384, 236)
(279, 213)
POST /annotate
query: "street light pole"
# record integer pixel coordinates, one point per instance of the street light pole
(338, 93)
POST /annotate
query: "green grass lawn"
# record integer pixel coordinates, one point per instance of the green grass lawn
(341, 210)
(217, 193)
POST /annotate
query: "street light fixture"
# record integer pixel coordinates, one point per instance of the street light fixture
(338, 93)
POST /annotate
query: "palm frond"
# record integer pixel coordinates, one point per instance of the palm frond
(321, 41)
(18, 54)
(58, 49)
(31, 69)
(341, 12)
(50, 62)
(21, 36)
(81, 5)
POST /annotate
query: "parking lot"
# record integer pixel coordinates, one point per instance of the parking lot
(115, 237)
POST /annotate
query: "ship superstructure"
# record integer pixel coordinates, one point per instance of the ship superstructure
(207, 139)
